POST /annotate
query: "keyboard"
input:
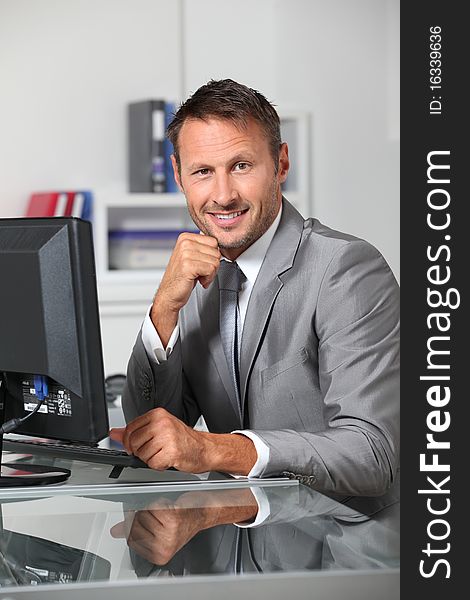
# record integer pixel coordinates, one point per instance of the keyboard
(51, 448)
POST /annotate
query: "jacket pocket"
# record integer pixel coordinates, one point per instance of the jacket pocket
(288, 362)
(291, 395)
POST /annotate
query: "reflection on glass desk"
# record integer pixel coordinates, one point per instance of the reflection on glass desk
(131, 534)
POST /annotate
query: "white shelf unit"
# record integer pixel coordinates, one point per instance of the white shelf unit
(118, 210)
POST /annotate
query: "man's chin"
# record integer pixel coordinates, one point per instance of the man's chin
(229, 244)
(232, 245)
(225, 240)
(238, 246)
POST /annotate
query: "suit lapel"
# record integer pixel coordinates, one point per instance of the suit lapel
(279, 259)
(262, 298)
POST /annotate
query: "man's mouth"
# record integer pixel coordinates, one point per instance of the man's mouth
(228, 218)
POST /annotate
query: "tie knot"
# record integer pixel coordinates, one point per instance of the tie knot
(230, 276)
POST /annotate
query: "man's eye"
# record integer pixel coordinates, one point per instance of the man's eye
(241, 166)
(201, 172)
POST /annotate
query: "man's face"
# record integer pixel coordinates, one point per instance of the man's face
(230, 182)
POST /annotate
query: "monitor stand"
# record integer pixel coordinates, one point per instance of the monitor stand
(22, 474)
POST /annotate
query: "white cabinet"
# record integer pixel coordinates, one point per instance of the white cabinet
(126, 294)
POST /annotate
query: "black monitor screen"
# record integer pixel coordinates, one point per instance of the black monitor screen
(49, 327)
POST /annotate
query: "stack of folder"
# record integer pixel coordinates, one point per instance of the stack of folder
(61, 204)
(149, 150)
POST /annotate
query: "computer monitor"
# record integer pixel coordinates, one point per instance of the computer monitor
(49, 327)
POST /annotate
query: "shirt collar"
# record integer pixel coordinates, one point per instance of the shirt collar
(251, 259)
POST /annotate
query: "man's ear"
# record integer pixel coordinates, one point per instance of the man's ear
(283, 164)
(176, 173)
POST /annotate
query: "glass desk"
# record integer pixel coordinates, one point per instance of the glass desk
(174, 535)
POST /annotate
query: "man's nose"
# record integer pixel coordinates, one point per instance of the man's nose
(224, 192)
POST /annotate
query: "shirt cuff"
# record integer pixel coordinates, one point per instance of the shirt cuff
(152, 342)
(264, 509)
(262, 450)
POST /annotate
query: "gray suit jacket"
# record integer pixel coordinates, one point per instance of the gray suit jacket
(319, 366)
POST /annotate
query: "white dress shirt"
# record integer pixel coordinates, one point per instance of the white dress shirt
(250, 262)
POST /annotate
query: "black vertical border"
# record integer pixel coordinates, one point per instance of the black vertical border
(421, 133)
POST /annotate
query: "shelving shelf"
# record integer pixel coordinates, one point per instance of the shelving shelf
(119, 210)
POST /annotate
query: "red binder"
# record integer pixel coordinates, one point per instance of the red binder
(59, 204)
(42, 204)
(69, 205)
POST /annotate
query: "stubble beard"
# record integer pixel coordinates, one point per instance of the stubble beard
(256, 230)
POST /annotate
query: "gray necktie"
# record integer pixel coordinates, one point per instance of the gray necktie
(230, 280)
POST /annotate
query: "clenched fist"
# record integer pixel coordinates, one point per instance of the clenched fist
(163, 441)
(194, 258)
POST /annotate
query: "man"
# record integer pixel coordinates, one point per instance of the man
(302, 379)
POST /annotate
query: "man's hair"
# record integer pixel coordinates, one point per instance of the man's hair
(228, 100)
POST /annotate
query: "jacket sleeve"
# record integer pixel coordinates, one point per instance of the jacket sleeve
(150, 385)
(357, 325)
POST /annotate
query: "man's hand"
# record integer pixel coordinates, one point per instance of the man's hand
(158, 532)
(163, 441)
(164, 527)
(194, 258)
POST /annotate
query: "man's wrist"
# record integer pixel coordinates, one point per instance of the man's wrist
(244, 507)
(223, 515)
(164, 320)
(262, 450)
(229, 453)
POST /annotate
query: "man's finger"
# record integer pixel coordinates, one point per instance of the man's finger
(197, 237)
(138, 423)
(144, 443)
(206, 280)
(118, 530)
(117, 434)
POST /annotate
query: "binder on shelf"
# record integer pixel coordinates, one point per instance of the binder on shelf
(42, 204)
(87, 205)
(60, 204)
(77, 205)
(146, 133)
(62, 200)
(69, 204)
(171, 186)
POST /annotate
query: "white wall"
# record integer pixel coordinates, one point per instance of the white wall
(68, 68)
